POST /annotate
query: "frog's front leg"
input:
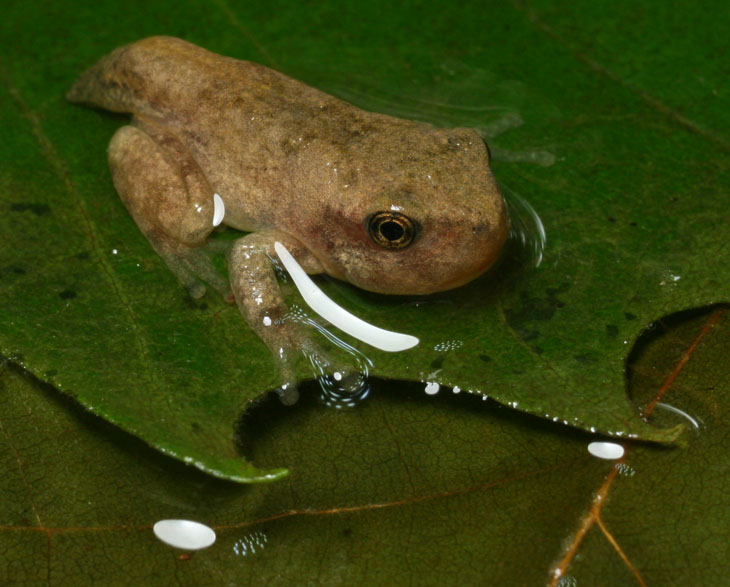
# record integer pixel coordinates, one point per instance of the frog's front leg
(257, 292)
(170, 200)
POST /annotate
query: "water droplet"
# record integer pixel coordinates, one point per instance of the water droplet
(432, 388)
(606, 450)
(457, 389)
(184, 534)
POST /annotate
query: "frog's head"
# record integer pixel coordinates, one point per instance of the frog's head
(424, 215)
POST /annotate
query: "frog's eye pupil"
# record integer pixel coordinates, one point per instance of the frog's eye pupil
(391, 230)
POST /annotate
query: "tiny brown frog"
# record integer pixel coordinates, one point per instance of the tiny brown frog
(388, 205)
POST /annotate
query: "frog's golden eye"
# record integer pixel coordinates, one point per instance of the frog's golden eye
(391, 230)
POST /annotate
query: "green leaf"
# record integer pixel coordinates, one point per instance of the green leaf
(634, 208)
(405, 489)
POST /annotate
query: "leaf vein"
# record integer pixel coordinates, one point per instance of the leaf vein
(654, 103)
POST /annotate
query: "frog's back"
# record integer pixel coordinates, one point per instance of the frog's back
(163, 76)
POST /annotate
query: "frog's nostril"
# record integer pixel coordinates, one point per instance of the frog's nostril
(480, 229)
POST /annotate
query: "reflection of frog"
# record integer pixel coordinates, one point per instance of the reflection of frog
(389, 205)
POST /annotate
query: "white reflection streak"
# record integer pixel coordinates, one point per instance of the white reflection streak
(385, 340)
(682, 413)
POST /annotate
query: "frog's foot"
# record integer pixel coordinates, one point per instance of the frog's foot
(502, 125)
(289, 340)
(260, 301)
(170, 200)
(192, 266)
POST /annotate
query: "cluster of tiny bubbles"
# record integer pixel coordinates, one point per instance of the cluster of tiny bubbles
(344, 388)
(448, 345)
(527, 231)
(625, 470)
(568, 581)
(250, 544)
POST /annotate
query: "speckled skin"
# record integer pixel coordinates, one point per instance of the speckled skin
(291, 164)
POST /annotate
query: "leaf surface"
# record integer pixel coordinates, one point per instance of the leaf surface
(406, 489)
(634, 208)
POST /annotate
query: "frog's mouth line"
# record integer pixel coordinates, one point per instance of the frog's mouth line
(385, 340)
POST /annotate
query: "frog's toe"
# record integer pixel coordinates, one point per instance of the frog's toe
(199, 264)
(288, 394)
(196, 290)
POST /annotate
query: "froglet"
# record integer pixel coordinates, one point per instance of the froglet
(389, 205)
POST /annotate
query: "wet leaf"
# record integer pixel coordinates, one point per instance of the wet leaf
(634, 207)
(408, 488)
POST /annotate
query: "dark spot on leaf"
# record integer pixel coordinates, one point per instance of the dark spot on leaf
(195, 426)
(14, 269)
(517, 371)
(632, 224)
(585, 358)
(629, 316)
(485, 358)
(611, 330)
(67, 294)
(526, 334)
(347, 532)
(537, 350)
(83, 256)
(611, 219)
(51, 373)
(37, 209)
(437, 363)
(194, 304)
(534, 309)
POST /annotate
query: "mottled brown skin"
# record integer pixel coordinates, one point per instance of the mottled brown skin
(291, 164)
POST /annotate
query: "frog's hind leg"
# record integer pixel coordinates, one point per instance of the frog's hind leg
(171, 202)
(502, 125)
